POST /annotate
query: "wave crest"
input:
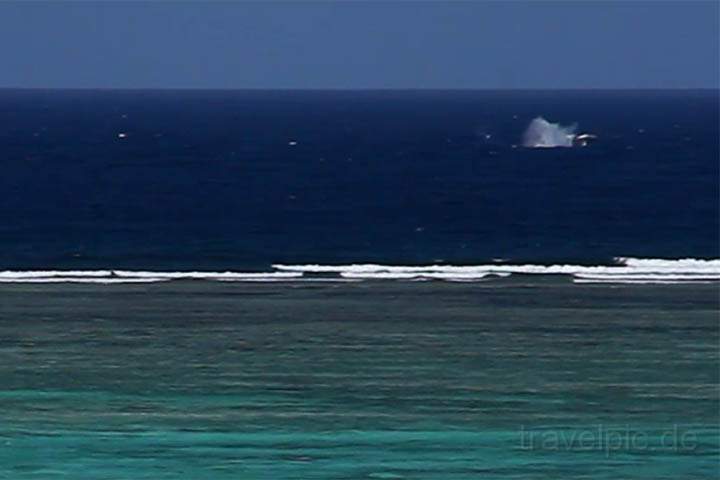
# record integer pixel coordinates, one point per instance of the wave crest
(625, 270)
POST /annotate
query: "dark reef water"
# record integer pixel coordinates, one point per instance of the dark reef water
(373, 380)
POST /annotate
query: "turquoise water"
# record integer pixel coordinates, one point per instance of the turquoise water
(521, 379)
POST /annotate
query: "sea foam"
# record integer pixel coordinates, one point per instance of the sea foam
(625, 270)
(130, 276)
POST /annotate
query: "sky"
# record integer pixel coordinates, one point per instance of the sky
(360, 45)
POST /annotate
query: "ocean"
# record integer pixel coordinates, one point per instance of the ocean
(359, 284)
(241, 180)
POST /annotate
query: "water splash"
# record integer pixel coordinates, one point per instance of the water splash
(543, 134)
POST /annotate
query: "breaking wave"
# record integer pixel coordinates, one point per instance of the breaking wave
(129, 276)
(625, 270)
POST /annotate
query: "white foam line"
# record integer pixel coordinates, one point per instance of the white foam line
(420, 275)
(290, 280)
(644, 276)
(139, 275)
(208, 275)
(628, 269)
(53, 273)
(626, 266)
(81, 280)
(640, 282)
(465, 280)
(694, 263)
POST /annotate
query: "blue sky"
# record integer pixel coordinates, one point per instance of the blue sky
(515, 44)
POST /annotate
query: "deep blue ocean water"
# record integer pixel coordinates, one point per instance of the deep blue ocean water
(242, 179)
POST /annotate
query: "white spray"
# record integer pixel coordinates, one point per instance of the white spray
(541, 133)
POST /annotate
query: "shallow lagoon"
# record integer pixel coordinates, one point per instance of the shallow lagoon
(517, 378)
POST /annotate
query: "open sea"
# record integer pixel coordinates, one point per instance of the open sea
(359, 285)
